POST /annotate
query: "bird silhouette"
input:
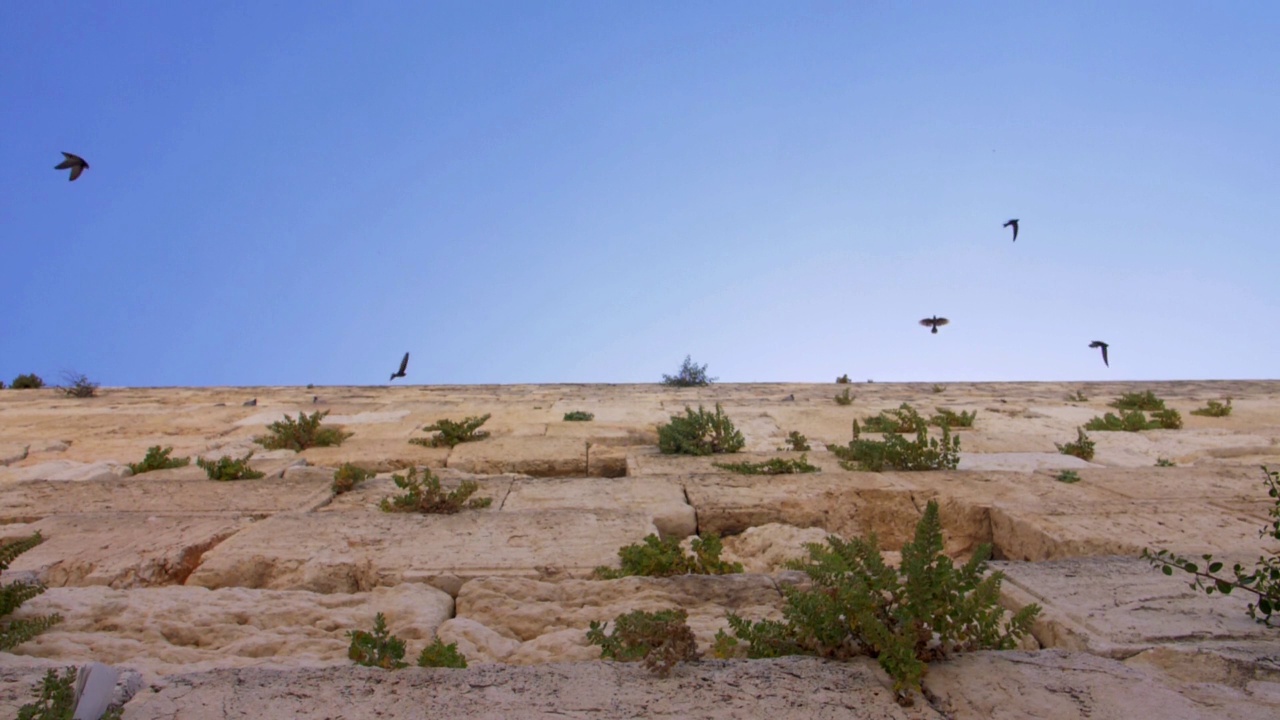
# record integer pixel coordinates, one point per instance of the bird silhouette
(404, 363)
(1014, 223)
(934, 322)
(1104, 346)
(75, 162)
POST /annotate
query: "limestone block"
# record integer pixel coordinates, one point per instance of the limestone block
(71, 471)
(368, 495)
(537, 456)
(662, 498)
(766, 548)
(477, 643)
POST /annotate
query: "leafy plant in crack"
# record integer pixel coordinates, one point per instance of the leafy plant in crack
(57, 699)
(1262, 580)
(904, 419)
(426, 496)
(450, 433)
(1079, 396)
(658, 639)
(300, 434)
(843, 379)
(1136, 421)
(1068, 476)
(1082, 448)
(228, 468)
(1165, 462)
(923, 611)
(579, 416)
(700, 433)
(348, 477)
(440, 655)
(772, 466)
(1146, 400)
(1214, 409)
(690, 374)
(844, 398)
(798, 442)
(78, 385)
(656, 557)
(950, 418)
(157, 458)
(895, 452)
(379, 648)
(12, 595)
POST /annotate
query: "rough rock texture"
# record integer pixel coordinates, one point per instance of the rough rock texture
(662, 498)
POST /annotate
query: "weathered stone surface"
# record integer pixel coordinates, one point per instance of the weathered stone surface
(20, 679)
(662, 498)
(783, 689)
(368, 496)
(69, 471)
(185, 629)
(1021, 462)
(12, 452)
(119, 550)
(766, 548)
(538, 456)
(353, 551)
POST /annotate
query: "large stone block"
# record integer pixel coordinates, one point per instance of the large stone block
(662, 498)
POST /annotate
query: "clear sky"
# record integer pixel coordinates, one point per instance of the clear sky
(299, 192)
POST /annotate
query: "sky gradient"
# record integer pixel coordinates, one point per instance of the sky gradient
(527, 192)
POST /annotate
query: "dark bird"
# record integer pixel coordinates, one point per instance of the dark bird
(75, 162)
(934, 322)
(1104, 346)
(404, 363)
(1014, 223)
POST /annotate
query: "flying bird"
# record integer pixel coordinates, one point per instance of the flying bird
(1104, 346)
(934, 322)
(75, 162)
(1014, 223)
(404, 363)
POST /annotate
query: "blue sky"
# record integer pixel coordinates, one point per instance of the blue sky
(299, 192)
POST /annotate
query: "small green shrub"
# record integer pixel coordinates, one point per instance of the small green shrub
(925, 610)
(1165, 462)
(379, 648)
(655, 557)
(658, 639)
(700, 433)
(895, 452)
(450, 433)
(798, 442)
(772, 466)
(1138, 401)
(1079, 396)
(57, 699)
(1068, 476)
(15, 632)
(228, 468)
(1214, 409)
(157, 458)
(937, 389)
(1169, 419)
(348, 476)
(78, 386)
(843, 379)
(579, 416)
(950, 418)
(30, 381)
(844, 398)
(690, 375)
(426, 496)
(1136, 420)
(439, 655)
(300, 434)
(903, 420)
(1263, 580)
(1081, 448)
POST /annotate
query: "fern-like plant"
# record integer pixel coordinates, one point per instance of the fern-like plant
(426, 496)
(450, 433)
(655, 557)
(700, 433)
(15, 632)
(440, 655)
(772, 466)
(302, 433)
(157, 458)
(658, 639)
(378, 649)
(348, 476)
(925, 610)
(895, 452)
(227, 468)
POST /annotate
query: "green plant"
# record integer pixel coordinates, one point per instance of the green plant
(157, 458)
(1136, 420)
(1214, 409)
(426, 496)
(579, 416)
(1263, 581)
(798, 442)
(772, 466)
(450, 433)
(1138, 401)
(30, 381)
(659, 639)
(15, 632)
(894, 452)
(655, 557)
(937, 389)
(1165, 462)
(700, 433)
(437, 654)
(950, 418)
(228, 468)
(1081, 448)
(379, 648)
(843, 379)
(348, 476)
(1068, 476)
(1169, 419)
(57, 699)
(925, 610)
(78, 386)
(300, 434)
(690, 375)
(1079, 396)
(844, 398)
(905, 419)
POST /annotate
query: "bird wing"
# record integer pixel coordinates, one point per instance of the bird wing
(927, 322)
(1104, 356)
(1015, 232)
(404, 363)
(938, 322)
(76, 170)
